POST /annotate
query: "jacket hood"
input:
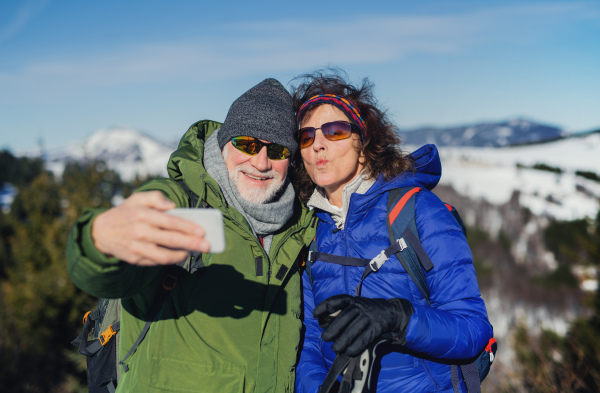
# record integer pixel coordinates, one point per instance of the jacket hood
(427, 166)
(186, 163)
(426, 173)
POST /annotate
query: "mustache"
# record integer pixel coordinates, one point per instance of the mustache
(249, 170)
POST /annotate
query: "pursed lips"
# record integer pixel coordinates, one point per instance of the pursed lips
(321, 162)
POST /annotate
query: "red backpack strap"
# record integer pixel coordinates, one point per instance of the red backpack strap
(400, 204)
(402, 228)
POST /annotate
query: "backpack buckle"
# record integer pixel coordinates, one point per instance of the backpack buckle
(378, 261)
(402, 243)
(106, 335)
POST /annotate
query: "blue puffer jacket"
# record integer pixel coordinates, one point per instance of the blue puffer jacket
(455, 326)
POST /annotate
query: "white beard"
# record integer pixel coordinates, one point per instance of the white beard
(256, 194)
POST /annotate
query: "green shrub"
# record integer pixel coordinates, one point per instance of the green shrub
(588, 175)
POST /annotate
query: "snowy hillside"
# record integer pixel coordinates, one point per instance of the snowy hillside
(487, 173)
(125, 150)
(494, 173)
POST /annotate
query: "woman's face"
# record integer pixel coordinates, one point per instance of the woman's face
(331, 164)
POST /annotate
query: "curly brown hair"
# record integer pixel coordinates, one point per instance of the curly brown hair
(382, 148)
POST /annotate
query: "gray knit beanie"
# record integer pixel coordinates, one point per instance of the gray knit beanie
(263, 112)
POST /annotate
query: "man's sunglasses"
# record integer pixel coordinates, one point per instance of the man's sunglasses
(251, 146)
(333, 131)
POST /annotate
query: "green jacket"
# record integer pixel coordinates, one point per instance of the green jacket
(227, 327)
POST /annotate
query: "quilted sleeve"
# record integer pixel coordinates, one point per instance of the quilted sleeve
(456, 325)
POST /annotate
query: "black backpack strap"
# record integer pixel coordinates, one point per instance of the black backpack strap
(308, 263)
(338, 260)
(474, 372)
(81, 341)
(454, 377)
(89, 348)
(173, 274)
(375, 264)
(112, 387)
(371, 265)
(470, 374)
(401, 225)
(457, 217)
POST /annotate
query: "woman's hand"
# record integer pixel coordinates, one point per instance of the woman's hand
(362, 321)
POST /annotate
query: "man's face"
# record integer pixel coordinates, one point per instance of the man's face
(257, 178)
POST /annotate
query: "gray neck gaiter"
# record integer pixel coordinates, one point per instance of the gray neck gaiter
(264, 218)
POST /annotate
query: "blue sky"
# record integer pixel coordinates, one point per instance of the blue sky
(69, 68)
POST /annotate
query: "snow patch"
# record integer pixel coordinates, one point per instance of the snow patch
(493, 174)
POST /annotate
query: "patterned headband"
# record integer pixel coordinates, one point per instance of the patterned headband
(340, 102)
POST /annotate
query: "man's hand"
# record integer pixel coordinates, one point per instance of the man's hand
(139, 232)
(362, 321)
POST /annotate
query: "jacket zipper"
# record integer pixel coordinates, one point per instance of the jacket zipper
(285, 238)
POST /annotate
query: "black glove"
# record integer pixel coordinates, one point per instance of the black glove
(362, 321)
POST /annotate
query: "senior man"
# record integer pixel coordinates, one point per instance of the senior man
(232, 323)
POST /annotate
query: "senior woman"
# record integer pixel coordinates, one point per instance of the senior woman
(350, 162)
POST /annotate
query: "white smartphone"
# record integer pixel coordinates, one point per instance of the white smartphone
(212, 222)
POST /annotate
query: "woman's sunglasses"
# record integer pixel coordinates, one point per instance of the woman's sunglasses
(333, 131)
(251, 146)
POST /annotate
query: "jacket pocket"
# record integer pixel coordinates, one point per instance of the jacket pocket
(178, 375)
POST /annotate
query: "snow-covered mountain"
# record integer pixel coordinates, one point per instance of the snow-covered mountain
(507, 133)
(125, 150)
(550, 177)
(488, 173)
